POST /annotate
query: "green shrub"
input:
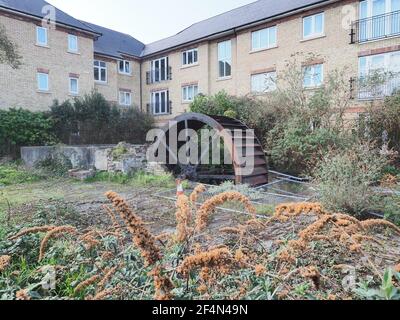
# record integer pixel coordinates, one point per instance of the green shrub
(55, 166)
(11, 174)
(20, 127)
(346, 178)
(93, 120)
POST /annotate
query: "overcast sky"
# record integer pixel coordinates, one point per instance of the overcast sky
(146, 20)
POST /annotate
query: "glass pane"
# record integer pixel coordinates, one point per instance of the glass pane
(222, 69)
(195, 56)
(157, 70)
(190, 57)
(121, 66)
(103, 75)
(395, 63)
(228, 49)
(221, 51)
(378, 7)
(363, 9)
(318, 75)
(395, 5)
(96, 74)
(378, 62)
(307, 76)
(264, 38)
(272, 37)
(255, 43)
(74, 85)
(42, 35)
(228, 69)
(319, 23)
(163, 69)
(127, 67)
(363, 66)
(184, 93)
(163, 108)
(195, 91)
(157, 103)
(43, 83)
(184, 59)
(396, 17)
(102, 64)
(190, 93)
(72, 43)
(307, 25)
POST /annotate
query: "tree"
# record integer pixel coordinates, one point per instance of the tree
(8, 50)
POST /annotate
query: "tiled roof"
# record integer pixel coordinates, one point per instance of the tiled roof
(253, 12)
(35, 8)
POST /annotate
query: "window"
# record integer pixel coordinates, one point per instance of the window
(159, 70)
(264, 39)
(379, 75)
(124, 67)
(125, 98)
(189, 92)
(100, 71)
(73, 85)
(41, 36)
(72, 43)
(263, 82)
(43, 81)
(225, 59)
(374, 24)
(189, 57)
(160, 102)
(313, 26)
(313, 75)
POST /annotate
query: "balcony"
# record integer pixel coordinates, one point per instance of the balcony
(158, 109)
(365, 89)
(376, 28)
(158, 75)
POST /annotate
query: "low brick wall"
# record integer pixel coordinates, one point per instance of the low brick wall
(112, 158)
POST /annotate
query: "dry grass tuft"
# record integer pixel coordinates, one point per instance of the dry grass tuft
(209, 206)
(143, 239)
(32, 230)
(162, 284)
(56, 232)
(4, 262)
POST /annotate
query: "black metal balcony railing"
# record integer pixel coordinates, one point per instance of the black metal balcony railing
(158, 75)
(157, 109)
(363, 89)
(375, 28)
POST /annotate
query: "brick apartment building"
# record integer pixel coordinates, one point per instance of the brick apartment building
(241, 51)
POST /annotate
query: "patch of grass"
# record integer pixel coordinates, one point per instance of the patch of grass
(140, 179)
(11, 174)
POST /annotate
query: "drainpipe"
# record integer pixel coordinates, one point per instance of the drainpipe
(140, 86)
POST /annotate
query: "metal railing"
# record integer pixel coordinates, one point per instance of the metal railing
(363, 89)
(158, 75)
(375, 28)
(155, 109)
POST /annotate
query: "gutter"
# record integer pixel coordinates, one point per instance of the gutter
(16, 12)
(221, 34)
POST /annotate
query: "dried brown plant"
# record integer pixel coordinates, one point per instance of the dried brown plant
(4, 262)
(142, 238)
(56, 232)
(196, 193)
(162, 284)
(210, 205)
(183, 218)
(86, 283)
(32, 230)
(23, 294)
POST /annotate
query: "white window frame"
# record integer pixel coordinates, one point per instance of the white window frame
(185, 57)
(162, 76)
(186, 96)
(43, 44)
(38, 81)
(270, 77)
(77, 85)
(153, 102)
(125, 98)
(388, 8)
(73, 50)
(313, 83)
(125, 64)
(314, 34)
(100, 68)
(224, 57)
(256, 36)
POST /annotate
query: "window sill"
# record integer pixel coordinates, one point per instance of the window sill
(73, 94)
(224, 78)
(313, 38)
(75, 53)
(125, 74)
(263, 49)
(190, 66)
(43, 92)
(42, 46)
(313, 87)
(101, 83)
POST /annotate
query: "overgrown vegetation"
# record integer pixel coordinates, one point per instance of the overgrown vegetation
(9, 53)
(138, 178)
(57, 256)
(93, 120)
(15, 174)
(19, 127)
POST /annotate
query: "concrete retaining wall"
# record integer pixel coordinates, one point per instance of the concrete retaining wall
(98, 157)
